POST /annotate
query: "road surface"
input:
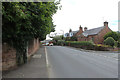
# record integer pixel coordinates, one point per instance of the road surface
(64, 62)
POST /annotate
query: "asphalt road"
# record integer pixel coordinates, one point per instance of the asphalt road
(64, 62)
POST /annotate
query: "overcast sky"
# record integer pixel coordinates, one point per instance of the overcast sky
(87, 13)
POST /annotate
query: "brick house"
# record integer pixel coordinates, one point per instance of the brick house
(96, 34)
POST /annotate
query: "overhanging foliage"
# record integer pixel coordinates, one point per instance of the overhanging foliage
(23, 21)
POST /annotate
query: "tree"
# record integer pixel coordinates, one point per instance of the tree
(109, 41)
(118, 36)
(23, 21)
(56, 38)
(73, 38)
(112, 34)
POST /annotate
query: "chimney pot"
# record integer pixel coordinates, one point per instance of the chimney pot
(85, 28)
(106, 23)
(70, 30)
(80, 28)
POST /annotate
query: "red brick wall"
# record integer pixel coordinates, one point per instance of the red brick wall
(99, 38)
(78, 33)
(9, 54)
(33, 46)
(8, 57)
(83, 38)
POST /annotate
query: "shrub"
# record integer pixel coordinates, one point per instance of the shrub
(60, 42)
(101, 47)
(112, 34)
(109, 41)
(117, 44)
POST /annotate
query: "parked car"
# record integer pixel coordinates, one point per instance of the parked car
(43, 44)
(51, 44)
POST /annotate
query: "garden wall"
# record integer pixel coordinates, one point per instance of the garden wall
(9, 54)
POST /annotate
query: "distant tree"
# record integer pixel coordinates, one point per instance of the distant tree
(112, 34)
(73, 38)
(56, 38)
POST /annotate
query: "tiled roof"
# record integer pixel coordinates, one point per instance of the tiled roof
(74, 31)
(92, 31)
(66, 33)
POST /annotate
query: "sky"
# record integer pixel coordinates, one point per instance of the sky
(87, 13)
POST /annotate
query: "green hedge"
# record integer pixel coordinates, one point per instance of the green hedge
(80, 44)
(85, 45)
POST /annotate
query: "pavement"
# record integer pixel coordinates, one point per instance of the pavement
(65, 62)
(35, 68)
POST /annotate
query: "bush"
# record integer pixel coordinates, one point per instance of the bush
(60, 42)
(109, 41)
(112, 34)
(117, 44)
(101, 47)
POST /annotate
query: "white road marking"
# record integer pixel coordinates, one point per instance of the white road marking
(46, 56)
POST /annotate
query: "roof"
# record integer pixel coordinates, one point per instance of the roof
(66, 33)
(74, 31)
(92, 31)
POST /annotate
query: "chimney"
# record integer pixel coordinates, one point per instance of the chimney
(85, 28)
(106, 24)
(80, 28)
(70, 30)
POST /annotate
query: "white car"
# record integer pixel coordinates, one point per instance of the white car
(51, 44)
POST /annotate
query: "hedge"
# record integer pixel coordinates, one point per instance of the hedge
(86, 45)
